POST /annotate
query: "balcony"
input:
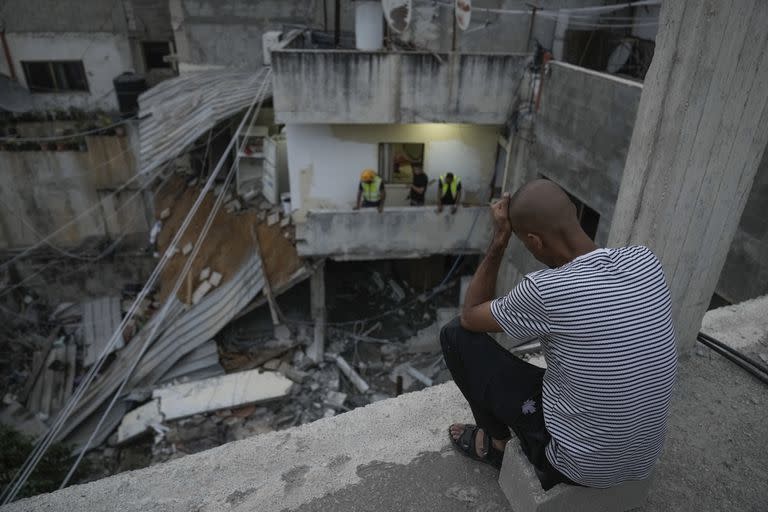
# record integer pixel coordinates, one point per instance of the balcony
(397, 232)
(393, 87)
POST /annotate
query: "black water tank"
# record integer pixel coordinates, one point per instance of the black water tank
(128, 86)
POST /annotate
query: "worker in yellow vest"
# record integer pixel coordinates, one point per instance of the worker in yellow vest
(448, 192)
(370, 193)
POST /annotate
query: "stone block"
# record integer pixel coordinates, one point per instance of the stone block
(205, 273)
(522, 488)
(215, 278)
(186, 249)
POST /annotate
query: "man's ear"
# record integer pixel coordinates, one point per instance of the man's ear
(534, 241)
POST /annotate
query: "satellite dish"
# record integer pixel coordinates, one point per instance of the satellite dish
(619, 57)
(463, 13)
(397, 14)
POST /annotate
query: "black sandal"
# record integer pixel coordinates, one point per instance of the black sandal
(466, 445)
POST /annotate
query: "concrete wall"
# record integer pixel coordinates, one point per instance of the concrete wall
(104, 55)
(315, 86)
(325, 161)
(581, 136)
(46, 189)
(227, 33)
(745, 273)
(580, 140)
(400, 232)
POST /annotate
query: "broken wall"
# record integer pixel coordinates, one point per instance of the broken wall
(325, 161)
(47, 189)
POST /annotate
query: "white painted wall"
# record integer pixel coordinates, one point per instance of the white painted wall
(104, 56)
(325, 161)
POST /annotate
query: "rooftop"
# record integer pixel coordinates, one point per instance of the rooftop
(395, 454)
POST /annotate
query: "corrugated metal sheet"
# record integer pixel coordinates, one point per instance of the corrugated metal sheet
(100, 320)
(184, 330)
(174, 113)
(204, 360)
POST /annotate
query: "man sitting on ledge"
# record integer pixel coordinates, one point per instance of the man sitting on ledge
(597, 416)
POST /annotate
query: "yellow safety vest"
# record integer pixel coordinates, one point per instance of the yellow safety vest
(454, 186)
(372, 190)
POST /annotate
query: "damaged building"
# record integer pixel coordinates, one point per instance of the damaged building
(183, 262)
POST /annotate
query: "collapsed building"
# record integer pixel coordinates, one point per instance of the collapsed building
(226, 359)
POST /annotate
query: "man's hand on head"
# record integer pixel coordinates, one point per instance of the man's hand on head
(502, 225)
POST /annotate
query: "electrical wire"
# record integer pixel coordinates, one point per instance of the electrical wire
(47, 238)
(89, 261)
(44, 442)
(169, 300)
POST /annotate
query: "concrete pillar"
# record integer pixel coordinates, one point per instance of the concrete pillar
(317, 307)
(701, 129)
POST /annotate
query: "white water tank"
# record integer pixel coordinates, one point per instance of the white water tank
(369, 25)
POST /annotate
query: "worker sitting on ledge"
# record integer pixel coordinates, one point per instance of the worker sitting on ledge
(448, 192)
(597, 416)
(370, 193)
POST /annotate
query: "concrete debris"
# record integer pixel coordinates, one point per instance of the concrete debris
(139, 420)
(232, 390)
(215, 279)
(335, 399)
(272, 364)
(351, 374)
(285, 221)
(398, 294)
(250, 194)
(186, 249)
(205, 273)
(165, 214)
(15, 415)
(416, 374)
(200, 291)
(273, 218)
(233, 206)
(377, 280)
(154, 232)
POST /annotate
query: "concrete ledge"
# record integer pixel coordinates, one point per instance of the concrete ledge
(399, 232)
(521, 486)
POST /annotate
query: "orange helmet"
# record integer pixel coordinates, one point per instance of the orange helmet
(368, 175)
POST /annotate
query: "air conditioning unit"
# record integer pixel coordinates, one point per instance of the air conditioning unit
(270, 41)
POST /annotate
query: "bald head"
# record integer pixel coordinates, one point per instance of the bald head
(541, 207)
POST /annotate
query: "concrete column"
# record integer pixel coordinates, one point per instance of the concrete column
(317, 307)
(701, 129)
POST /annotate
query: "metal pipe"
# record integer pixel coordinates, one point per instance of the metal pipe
(754, 362)
(735, 359)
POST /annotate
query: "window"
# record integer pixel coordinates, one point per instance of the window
(397, 159)
(55, 76)
(154, 53)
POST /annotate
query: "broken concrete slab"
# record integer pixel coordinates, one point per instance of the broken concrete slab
(232, 390)
(139, 421)
(215, 278)
(200, 291)
(335, 399)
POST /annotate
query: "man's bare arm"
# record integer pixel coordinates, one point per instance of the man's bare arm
(476, 313)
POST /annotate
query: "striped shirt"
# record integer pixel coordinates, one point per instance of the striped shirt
(606, 330)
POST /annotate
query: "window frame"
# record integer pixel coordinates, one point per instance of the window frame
(54, 76)
(385, 163)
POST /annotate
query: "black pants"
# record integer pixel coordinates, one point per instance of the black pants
(503, 391)
(371, 204)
